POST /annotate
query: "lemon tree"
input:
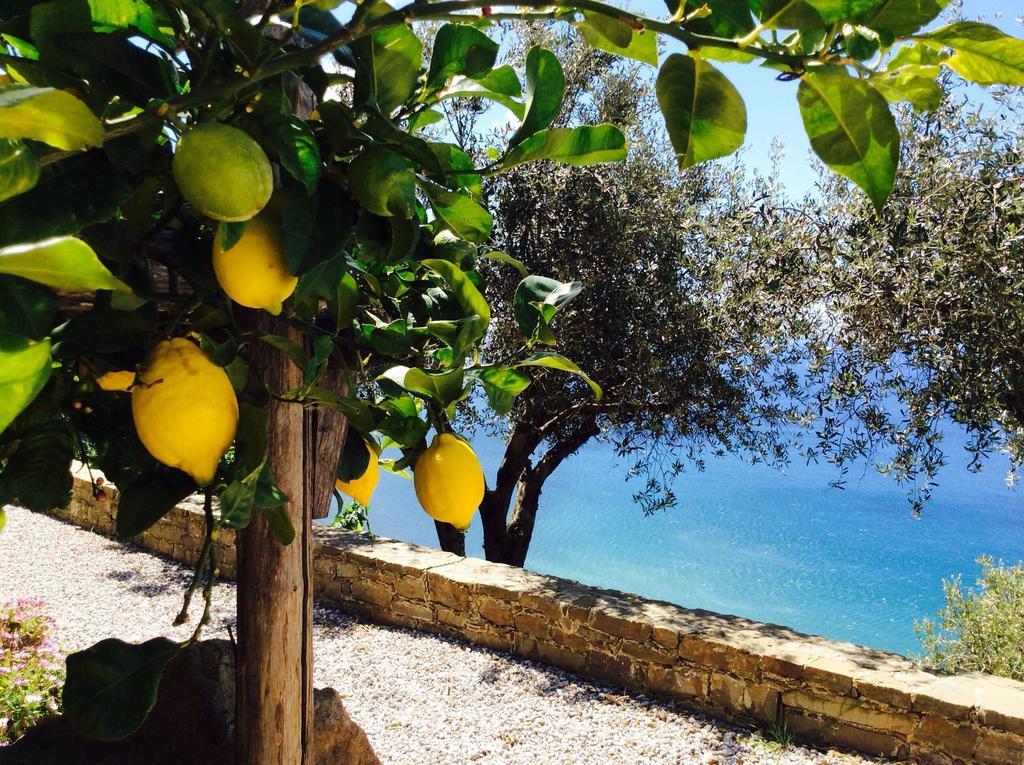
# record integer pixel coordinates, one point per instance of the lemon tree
(172, 174)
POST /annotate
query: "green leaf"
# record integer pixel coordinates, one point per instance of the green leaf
(500, 85)
(383, 182)
(345, 302)
(557, 361)
(463, 290)
(24, 369)
(981, 53)
(387, 65)
(19, 168)
(545, 89)
(424, 119)
(502, 385)
(912, 83)
(280, 524)
(584, 145)
(28, 308)
(851, 130)
(112, 686)
(70, 195)
(230, 232)
(727, 18)
(704, 114)
(504, 257)
(296, 148)
(355, 457)
(128, 14)
(148, 497)
(619, 38)
(39, 471)
(903, 17)
(63, 262)
(444, 387)
(536, 302)
(121, 65)
(237, 501)
(460, 212)
(786, 14)
(454, 160)
(836, 10)
(460, 49)
(51, 116)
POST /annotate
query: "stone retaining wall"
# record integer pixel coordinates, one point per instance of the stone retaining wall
(827, 692)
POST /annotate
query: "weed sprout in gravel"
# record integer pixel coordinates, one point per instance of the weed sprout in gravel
(31, 668)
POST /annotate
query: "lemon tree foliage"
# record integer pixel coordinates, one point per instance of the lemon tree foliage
(141, 142)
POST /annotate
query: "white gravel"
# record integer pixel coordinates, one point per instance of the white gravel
(423, 700)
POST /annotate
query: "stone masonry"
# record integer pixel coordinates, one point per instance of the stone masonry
(828, 693)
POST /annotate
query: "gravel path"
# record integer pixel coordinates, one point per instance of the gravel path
(423, 700)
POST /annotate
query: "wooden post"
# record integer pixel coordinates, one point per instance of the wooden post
(274, 712)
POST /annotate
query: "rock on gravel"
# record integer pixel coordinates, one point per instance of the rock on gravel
(422, 699)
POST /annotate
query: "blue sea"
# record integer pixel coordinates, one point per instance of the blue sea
(784, 547)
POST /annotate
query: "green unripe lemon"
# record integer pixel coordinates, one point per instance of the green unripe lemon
(222, 172)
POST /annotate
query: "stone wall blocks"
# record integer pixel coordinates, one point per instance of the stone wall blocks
(835, 694)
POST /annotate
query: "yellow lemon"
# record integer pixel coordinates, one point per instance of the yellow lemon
(185, 409)
(361, 488)
(119, 380)
(222, 172)
(254, 273)
(449, 481)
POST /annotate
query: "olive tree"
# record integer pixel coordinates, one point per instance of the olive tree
(913, 317)
(104, 253)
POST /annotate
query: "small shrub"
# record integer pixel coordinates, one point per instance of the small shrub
(980, 629)
(31, 668)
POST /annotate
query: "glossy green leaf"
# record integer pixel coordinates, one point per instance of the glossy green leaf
(557, 361)
(296, 148)
(148, 497)
(128, 14)
(704, 114)
(545, 89)
(237, 502)
(981, 52)
(355, 457)
(786, 14)
(424, 118)
(112, 686)
(837, 10)
(903, 17)
(501, 386)
(459, 168)
(851, 129)
(345, 302)
(460, 212)
(383, 182)
(51, 116)
(616, 37)
(445, 388)
(500, 85)
(460, 49)
(917, 85)
(280, 524)
(504, 257)
(465, 292)
(70, 195)
(28, 308)
(39, 471)
(62, 262)
(19, 168)
(584, 145)
(536, 302)
(727, 18)
(24, 369)
(388, 66)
